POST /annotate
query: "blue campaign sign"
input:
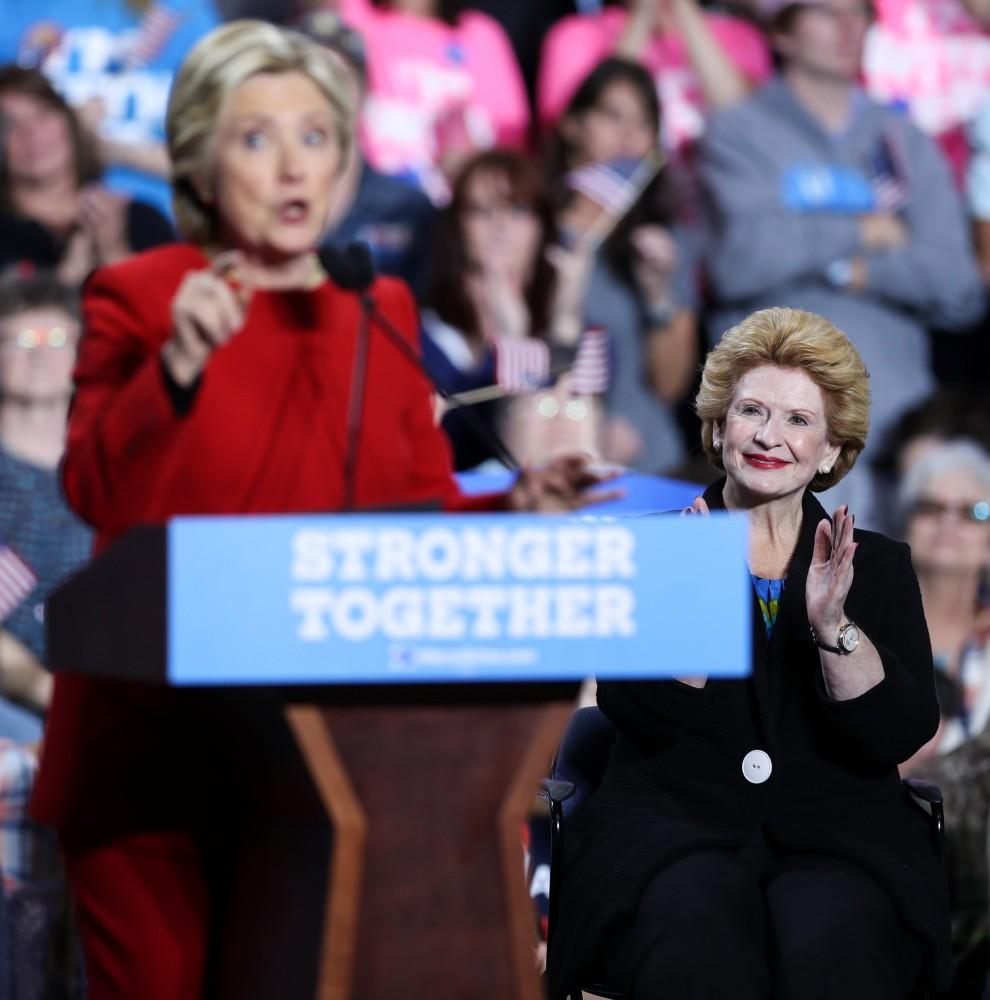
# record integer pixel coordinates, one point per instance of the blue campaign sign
(426, 597)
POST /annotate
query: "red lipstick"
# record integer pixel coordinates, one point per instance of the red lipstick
(764, 461)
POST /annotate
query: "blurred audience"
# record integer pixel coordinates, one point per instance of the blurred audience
(39, 327)
(505, 309)
(55, 213)
(443, 83)
(391, 215)
(699, 60)
(825, 201)
(932, 59)
(112, 60)
(946, 497)
(642, 287)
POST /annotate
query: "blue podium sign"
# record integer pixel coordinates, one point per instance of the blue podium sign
(488, 597)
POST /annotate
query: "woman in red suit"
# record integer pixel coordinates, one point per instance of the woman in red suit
(214, 377)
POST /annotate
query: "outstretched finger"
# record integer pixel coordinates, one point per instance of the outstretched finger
(823, 542)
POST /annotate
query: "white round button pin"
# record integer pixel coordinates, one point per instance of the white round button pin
(756, 766)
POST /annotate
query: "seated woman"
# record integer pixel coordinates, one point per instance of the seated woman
(641, 288)
(54, 213)
(751, 839)
(497, 309)
(214, 376)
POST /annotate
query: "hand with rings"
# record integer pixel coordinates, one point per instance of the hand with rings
(208, 310)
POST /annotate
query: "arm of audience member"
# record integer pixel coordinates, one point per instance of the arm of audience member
(935, 272)
(652, 713)
(887, 723)
(722, 82)
(672, 355)
(22, 677)
(760, 243)
(571, 49)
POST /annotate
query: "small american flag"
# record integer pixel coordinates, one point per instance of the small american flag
(521, 363)
(890, 174)
(17, 580)
(157, 27)
(590, 373)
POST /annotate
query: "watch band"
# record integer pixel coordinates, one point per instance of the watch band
(839, 650)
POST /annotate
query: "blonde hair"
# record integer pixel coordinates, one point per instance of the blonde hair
(791, 338)
(216, 66)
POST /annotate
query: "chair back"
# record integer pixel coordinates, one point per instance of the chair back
(583, 754)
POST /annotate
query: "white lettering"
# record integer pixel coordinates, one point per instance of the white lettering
(312, 603)
(311, 560)
(615, 608)
(614, 551)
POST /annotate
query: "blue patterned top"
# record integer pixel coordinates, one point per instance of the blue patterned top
(35, 520)
(768, 594)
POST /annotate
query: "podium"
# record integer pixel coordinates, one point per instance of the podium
(380, 855)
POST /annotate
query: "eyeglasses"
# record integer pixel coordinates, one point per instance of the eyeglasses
(975, 513)
(29, 338)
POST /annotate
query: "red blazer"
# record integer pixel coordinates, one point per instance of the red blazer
(265, 434)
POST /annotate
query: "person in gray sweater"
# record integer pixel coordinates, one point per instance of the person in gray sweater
(826, 201)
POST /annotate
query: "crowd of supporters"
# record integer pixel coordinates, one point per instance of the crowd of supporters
(583, 197)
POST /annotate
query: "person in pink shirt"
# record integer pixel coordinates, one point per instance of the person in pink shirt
(443, 84)
(932, 57)
(700, 61)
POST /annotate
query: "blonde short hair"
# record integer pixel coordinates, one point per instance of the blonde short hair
(791, 338)
(216, 66)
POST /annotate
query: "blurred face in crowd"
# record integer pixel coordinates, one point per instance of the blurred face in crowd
(949, 527)
(37, 353)
(37, 138)
(500, 233)
(775, 435)
(274, 165)
(825, 40)
(617, 126)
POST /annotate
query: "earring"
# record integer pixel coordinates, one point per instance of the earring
(716, 445)
(825, 470)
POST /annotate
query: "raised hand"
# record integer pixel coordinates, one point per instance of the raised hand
(831, 573)
(207, 311)
(562, 484)
(103, 216)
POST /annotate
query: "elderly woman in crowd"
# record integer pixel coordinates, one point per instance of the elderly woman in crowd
(54, 212)
(944, 502)
(751, 838)
(214, 376)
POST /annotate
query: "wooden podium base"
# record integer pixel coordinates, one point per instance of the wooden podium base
(427, 791)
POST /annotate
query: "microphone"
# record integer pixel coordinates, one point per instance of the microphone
(351, 267)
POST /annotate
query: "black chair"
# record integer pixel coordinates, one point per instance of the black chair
(578, 769)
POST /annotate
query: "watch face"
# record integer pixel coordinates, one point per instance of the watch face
(849, 638)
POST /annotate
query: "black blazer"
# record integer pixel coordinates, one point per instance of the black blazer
(675, 783)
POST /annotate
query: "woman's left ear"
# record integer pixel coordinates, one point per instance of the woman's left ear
(831, 457)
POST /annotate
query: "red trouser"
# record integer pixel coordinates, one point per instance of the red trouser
(144, 915)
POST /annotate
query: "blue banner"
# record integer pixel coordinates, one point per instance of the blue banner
(426, 597)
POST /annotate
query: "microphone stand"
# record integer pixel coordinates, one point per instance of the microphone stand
(490, 438)
(352, 270)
